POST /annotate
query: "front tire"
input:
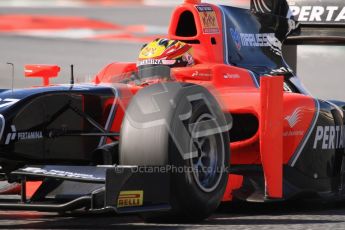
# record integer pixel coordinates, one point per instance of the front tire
(186, 129)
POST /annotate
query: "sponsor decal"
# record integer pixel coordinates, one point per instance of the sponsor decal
(293, 120)
(231, 76)
(14, 135)
(201, 74)
(259, 40)
(293, 133)
(130, 199)
(156, 62)
(329, 137)
(256, 40)
(149, 51)
(319, 12)
(8, 102)
(208, 19)
(295, 117)
(59, 173)
(236, 37)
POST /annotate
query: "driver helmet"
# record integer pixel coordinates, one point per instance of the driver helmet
(165, 52)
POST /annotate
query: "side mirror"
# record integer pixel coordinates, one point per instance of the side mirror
(44, 71)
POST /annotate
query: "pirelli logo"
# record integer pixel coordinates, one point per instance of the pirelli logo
(130, 199)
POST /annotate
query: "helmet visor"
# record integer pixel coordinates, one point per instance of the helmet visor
(154, 71)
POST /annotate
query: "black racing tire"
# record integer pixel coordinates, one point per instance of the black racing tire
(106, 154)
(161, 126)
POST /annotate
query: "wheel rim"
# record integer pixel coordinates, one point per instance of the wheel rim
(208, 166)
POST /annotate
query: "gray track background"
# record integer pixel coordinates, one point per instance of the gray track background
(88, 58)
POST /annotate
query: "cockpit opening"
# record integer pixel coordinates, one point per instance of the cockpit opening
(186, 26)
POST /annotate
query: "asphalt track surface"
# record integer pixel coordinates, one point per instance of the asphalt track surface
(238, 216)
(88, 57)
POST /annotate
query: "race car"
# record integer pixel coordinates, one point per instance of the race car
(176, 134)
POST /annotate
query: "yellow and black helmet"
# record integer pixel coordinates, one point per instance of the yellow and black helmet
(167, 52)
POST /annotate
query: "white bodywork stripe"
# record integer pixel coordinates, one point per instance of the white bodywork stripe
(265, 6)
(259, 5)
(2, 126)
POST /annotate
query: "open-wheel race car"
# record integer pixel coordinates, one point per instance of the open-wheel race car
(173, 143)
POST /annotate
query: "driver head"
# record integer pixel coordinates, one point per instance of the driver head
(163, 53)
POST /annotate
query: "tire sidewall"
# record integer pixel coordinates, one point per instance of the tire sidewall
(187, 197)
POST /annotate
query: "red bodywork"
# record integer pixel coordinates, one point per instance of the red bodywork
(238, 94)
(43, 71)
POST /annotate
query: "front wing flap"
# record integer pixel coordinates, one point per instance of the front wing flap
(123, 189)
